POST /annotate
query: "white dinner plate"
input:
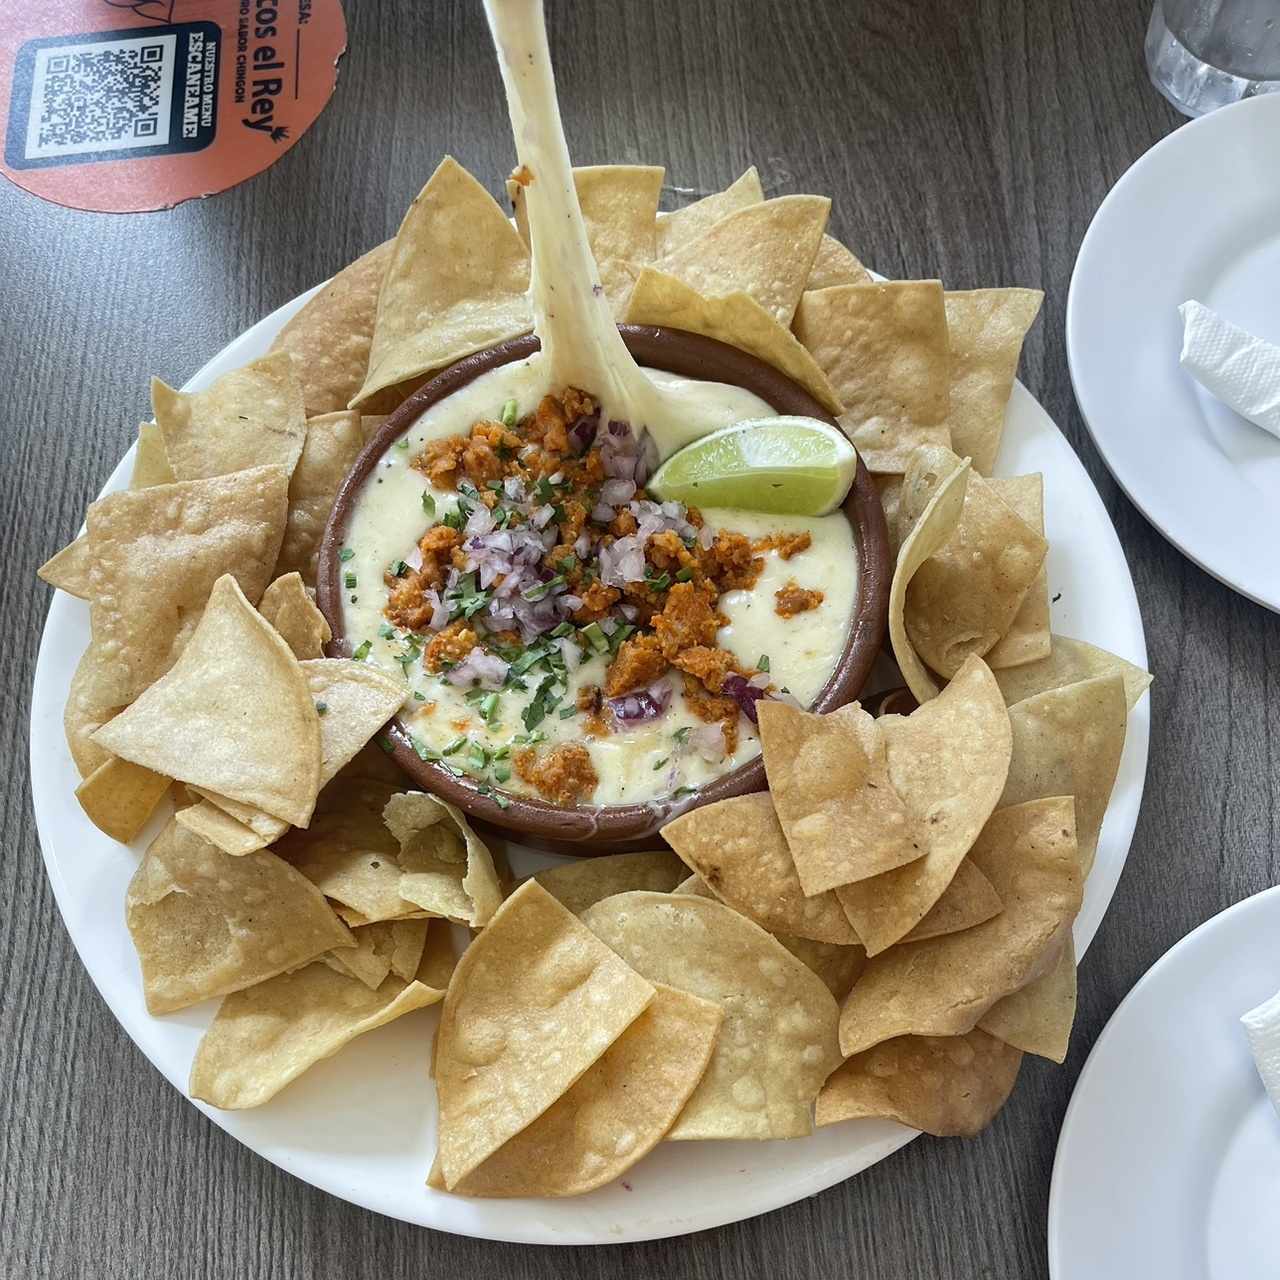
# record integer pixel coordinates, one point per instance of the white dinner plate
(1168, 1162)
(1198, 217)
(362, 1124)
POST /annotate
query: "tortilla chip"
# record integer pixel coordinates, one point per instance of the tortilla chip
(736, 319)
(386, 948)
(948, 761)
(457, 282)
(619, 206)
(68, 570)
(218, 827)
(266, 1037)
(358, 699)
(534, 1001)
(439, 959)
(1070, 661)
(205, 924)
(328, 452)
(778, 1041)
(738, 848)
(447, 869)
(884, 349)
(576, 885)
(949, 1086)
(1027, 639)
(838, 966)
(119, 797)
(969, 899)
(681, 226)
(150, 461)
(616, 1113)
(250, 417)
(835, 265)
(1068, 742)
(348, 853)
(937, 522)
(889, 487)
(329, 338)
(291, 611)
(829, 780)
(233, 714)
(986, 328)
(1038, 1018)
(965, 596)
(944, 986)
(764, 250)
(154, 557)
(89, 706)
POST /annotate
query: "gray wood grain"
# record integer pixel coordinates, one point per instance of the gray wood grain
(972, 141)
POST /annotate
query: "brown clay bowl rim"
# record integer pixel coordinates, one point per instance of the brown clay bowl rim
(615, 828)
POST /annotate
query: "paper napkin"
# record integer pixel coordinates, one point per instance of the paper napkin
(1232, 364)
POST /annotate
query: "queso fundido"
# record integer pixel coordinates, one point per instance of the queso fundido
(562, 634)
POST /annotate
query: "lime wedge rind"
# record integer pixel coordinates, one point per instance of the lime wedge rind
(783, 466)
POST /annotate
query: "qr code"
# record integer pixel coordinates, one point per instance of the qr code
(109, 96)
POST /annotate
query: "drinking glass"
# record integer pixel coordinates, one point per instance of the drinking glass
(1204, 54)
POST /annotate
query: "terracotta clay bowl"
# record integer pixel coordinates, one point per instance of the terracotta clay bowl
(587, 830)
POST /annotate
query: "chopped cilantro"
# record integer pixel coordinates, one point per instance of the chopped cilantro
(362, 652)
(541, 589)
(684, 575)
(566, 712)
(489, 705)
(386, 631)
(501, 772)
(682, 735)
(429, 504)
(544, 490)
(403, 442)
(660, 583)
(502, 752)
(399, 569)
(419, 696)
(562, 629)
(503, 802)
(763, 662)
(681, 792)
(660, 763)
(568, 564)
(349, 581)
(346, 554)
(595, 637)
(456, 745)
(509, 414)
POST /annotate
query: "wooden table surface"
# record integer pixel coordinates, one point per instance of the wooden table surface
(968, 141)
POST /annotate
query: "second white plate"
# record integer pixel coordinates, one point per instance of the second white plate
(1198, 217)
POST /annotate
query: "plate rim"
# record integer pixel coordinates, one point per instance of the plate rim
(817, 1178)
(1220, 920)
(1087, 403)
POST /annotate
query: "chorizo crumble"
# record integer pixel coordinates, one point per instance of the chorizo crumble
(555, 554)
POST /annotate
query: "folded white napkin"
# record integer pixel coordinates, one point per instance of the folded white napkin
(1262, 1026)
(1240, 369)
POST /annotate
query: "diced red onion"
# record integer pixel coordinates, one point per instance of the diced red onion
(582, 547)
(602, 513)
(414, 558)
(513, 488)
(706, 537)
(571, 653)
(643, 704)
(708, 741)
(760, 680)
(629, 611)
(744, 694)
(569, 603)
(556, 478)
(616, 492)
(542, 516)
(479, 522)
(487, 668)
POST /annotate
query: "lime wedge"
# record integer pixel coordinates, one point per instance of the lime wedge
(787, 466)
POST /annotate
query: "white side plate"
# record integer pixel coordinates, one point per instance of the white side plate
(1169, 1159)
(1198, 217)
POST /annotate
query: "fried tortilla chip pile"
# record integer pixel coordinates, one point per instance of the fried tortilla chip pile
(884, 933)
